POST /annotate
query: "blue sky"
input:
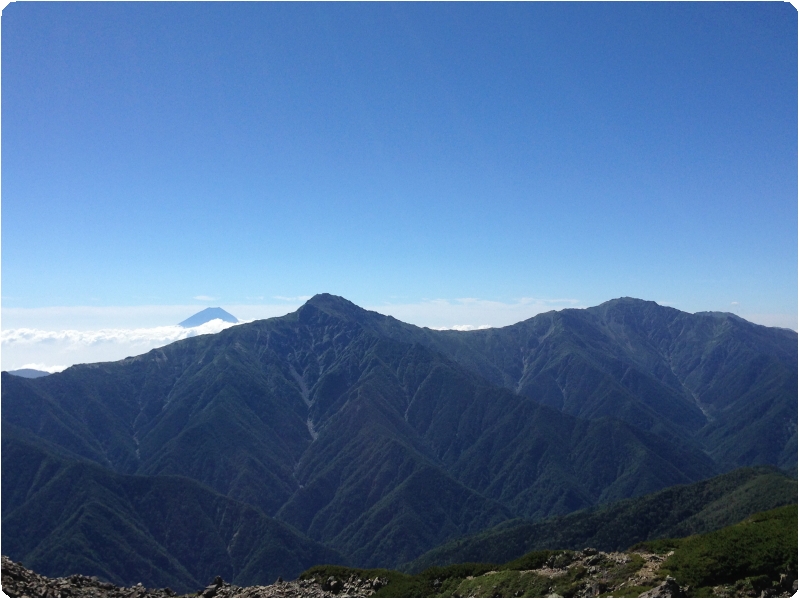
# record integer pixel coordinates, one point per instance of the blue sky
(451, 164)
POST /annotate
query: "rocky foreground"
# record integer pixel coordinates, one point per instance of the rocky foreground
(583, 574)
(19, 582)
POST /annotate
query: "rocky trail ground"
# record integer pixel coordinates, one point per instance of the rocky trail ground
(19, 582)
(583, 574)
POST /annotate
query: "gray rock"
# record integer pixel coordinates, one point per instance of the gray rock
(668, 589)
(21, 582)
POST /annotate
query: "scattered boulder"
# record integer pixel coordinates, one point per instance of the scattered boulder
(595, 588)
(610, 575)
(668, 589)
(379, 583)
(332, 585)
(19, 582)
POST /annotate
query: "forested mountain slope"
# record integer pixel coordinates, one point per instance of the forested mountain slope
(678, 511)
(715, 378)
(382, 440)
(74, 516)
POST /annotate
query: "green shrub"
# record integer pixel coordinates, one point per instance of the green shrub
(460, 571)
(657, 546)
(532, 560)
(760, 548)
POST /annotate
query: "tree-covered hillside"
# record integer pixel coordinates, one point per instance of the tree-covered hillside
(677, 511)
(382, 441)
(72, 516)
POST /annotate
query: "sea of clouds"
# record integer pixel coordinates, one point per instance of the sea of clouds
(52, 351)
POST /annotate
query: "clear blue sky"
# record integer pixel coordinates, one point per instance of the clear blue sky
(155, 153)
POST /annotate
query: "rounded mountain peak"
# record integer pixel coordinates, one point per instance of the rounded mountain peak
(335, 306)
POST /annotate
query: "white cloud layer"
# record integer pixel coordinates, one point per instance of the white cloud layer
(54, 336)
(51, 350)
(462, 327)
(166, 334)
(41, 367)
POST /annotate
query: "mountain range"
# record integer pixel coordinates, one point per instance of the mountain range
(336, 434)
(30, 373)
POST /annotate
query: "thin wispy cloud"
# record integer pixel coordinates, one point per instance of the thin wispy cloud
(292, 298)
(205, 298)
(462, 327)
(466, 314)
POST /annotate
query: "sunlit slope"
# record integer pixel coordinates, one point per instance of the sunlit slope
(756, 557)
(677, 511)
